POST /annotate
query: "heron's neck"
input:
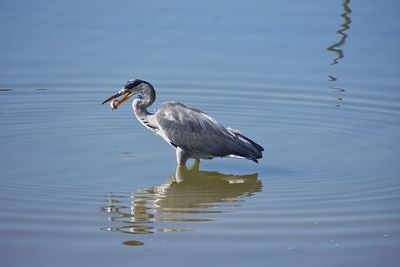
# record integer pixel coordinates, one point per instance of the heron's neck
(140, 105)
(149, 95)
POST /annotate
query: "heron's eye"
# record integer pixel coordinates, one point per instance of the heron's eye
(129, 85)
(132, 84)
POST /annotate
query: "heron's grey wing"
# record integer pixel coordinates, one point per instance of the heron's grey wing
(199, 134)
(191, 130)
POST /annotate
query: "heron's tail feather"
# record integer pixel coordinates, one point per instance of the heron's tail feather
(257, 146)
(247, 148)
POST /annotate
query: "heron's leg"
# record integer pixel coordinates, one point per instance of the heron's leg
(180, 173)
(181, 156)
(196, 165)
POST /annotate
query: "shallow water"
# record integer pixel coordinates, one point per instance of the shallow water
(317, 84)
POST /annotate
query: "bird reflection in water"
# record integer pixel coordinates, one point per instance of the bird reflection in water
(190, 195)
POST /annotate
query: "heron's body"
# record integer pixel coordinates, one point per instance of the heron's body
(191, 132)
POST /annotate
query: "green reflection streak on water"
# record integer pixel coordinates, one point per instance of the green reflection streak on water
(191, 195)
(336, 47)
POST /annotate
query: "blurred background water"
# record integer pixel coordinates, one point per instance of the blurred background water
(315, 82)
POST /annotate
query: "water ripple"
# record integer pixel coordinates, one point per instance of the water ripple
(307, 169)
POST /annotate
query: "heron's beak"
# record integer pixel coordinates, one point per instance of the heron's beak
(123, 92)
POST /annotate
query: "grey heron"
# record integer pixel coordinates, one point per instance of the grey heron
(191, 132)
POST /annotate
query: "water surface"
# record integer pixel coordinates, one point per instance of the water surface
(317, 84)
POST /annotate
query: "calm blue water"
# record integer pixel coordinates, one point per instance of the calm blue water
(316, 83)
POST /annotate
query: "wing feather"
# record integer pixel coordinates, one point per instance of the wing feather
(200, 135)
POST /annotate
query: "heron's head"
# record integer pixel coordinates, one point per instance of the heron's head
(131, 88)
